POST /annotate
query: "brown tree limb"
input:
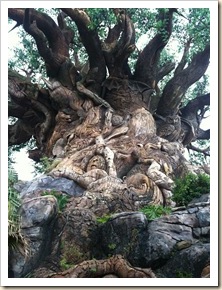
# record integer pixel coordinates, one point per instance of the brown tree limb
(196, 104)
(203, 134)
(184, 59)
(115, 265)
(19, 133)
(165, 70)
(205, 151)
(46, 24)
(67, 31)
(191, 117)
(51, 42)
(117, 47)
(146, 66)
(91, 42)
(25, 113)
(30, 104)
(177, 86)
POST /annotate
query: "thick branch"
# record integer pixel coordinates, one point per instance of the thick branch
(183, 61)
(203, 135)
(196, 104)
(177, 86)
(165, 70)
(24, 113)
(90, 40)
(192, 115)
(30, 105)
(115, 265)
(146, 66)
(45, 23)
(19, 133)
(125, 46)
(51, 42)
(205, 151)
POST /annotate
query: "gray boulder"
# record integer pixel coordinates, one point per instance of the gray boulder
(38, 216)
(168, 243)
(45, 182)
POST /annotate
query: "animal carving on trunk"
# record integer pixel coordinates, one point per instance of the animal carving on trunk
(170, 129)
(141, 185)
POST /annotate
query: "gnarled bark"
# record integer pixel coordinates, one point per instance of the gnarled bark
(116, 266)
(177, 86)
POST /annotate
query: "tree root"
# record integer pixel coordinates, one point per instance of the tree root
(115, 265)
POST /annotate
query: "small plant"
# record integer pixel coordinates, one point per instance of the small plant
(184, 274)
(112, 246)
(93, 270)
(16, 240)
(62, 199)
(155, 211)
(71, 255)
(64, 265)
(189, 187)
(103, 219)
(44, 165)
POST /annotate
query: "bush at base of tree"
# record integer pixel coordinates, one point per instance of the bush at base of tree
(16, 241)
(153, 211)
(189, 187)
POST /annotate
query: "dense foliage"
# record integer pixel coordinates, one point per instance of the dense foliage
(15, 236)
(189, 187)
(155, 211)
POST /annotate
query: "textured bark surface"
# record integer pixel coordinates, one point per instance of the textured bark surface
(115, 265)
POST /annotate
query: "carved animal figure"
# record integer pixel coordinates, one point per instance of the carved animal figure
(170, 129)
(144, 186)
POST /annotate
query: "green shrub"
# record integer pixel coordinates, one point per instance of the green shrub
(155, 211)
(71, 255)
(16, 240)
(189, 187)
(43, 166)
(62, 199)
(103, 219)
(183, 274)
(64, 264)
(112, 246)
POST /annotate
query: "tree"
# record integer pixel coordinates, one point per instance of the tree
(115, 118)
(107, 106)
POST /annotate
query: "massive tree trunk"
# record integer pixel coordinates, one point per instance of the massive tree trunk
(110, 130)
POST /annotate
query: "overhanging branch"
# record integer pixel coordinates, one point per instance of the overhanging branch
(91, 42)
(203, 134)
(177, 86)
(146, 66)
(205, 151)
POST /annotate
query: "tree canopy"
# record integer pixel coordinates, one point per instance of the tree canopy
(97, 44)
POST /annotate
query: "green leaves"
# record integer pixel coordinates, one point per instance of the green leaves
(189, 187)
(62, 199)
(103, 219)
(155, 211)
(16, 241)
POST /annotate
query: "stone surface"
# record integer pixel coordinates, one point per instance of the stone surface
(174, 245)
(203, 216)
(38, 216)
(164, 241)
(46, 182)
(187, 263)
